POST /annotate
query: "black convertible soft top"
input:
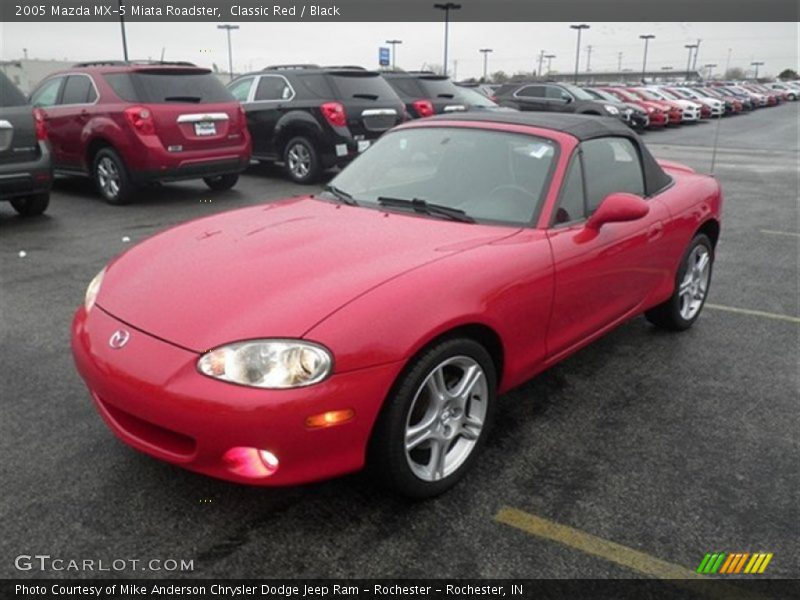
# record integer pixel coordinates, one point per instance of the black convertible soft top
(582, 127)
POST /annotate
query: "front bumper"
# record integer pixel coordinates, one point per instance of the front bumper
(19, 179)
(152, 397)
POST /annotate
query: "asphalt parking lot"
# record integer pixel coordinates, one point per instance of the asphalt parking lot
(670, 445)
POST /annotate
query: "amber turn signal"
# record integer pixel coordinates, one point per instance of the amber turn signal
(330, 418)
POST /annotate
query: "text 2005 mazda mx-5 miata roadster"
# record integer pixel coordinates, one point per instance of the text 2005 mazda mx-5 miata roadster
(376, 323)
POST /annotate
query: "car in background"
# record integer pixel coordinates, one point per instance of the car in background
(486, 89)
(733, 105)
(26, 172)
(657, 112)
(755, 100)
(673, 109)
(425, 93)
(690, 111)
(377, 322)
(128, 123)
(774, 97)
(790, 92)
(711, 107)
(477, 101)
(311, 118)
(634, 115)
(555, 97)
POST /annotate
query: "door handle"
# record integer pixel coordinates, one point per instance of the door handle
(655, 231)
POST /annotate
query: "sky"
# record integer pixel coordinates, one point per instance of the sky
(516, 46)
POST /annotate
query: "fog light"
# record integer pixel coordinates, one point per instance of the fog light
(332, 417)
(251, 462)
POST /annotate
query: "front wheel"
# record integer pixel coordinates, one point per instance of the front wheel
(31, 206)
(222, 182)
(436, 420)
(691, 288)
(301, 161)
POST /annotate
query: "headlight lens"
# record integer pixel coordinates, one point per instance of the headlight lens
(612, 110)
(650, 109)
(268, 364)
(93, 290)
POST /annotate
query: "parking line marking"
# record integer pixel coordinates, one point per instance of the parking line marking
(590, 544)
(773, 232)
(753, 313)
(622, 555)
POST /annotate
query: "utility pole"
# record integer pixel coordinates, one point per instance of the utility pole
(446, 7)
(122, 29)
(579, 28)
(588, 58)
(485, 52)
(394, 44)
(646, 37)
(228, 29)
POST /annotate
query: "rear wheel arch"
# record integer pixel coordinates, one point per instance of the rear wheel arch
(710, 228)
(93, 148)
(291, 126)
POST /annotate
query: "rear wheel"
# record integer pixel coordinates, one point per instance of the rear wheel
(301, 160)
(436, 420)
(222, 182)
(691, 288)
(31, 206)
(111, 177)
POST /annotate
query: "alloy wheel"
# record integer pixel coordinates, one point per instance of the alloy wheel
(299, 161)
(108, 177)
(693, 288)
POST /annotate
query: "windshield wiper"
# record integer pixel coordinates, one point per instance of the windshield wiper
(341, 195)
(421, 206)
(194, 99)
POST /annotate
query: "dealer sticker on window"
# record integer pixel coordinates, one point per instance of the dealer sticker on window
(363, 145)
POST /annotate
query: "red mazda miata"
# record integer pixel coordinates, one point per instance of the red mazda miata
(377, 322)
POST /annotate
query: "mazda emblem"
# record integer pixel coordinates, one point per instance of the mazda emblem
(119, 338)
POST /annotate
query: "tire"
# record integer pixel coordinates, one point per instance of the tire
(301, 161)
(111, 177)
(221, 183)
(454, 428)
(691, 288)
(31, 206)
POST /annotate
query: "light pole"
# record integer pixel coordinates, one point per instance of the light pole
(541, 60)
(646, 37)
(446, 7)
(689, 47)
(578, 28)
(228, 29)
(485, 52)
(619, 62)
(696, 52)
(393, 44)
(588, 58)
(756, 64)
(710, 68)
(549, 58)
(122, 28)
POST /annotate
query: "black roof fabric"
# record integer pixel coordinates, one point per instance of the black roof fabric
(582, 127)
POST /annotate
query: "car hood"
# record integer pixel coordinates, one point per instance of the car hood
(274, 270)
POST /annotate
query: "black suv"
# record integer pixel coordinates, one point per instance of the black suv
(425, 93)
(311, 118)
(26, 172)
(554, 97)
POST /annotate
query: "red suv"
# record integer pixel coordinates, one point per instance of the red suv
(126, 123)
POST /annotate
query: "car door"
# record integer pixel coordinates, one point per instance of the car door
(67, 119)
(601, 276)
(531, 98)
(272, 93)
(557, 99)
(46, 97)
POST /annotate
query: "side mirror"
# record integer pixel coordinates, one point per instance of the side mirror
(617, 208)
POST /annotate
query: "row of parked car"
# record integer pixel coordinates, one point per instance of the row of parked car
(128, 123)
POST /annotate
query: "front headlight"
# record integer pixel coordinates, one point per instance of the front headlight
(93, 290)
(268, 364)
(612, 110)
(650, 109)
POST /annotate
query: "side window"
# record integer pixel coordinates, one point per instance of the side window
(48, 93)
(571, 201)
(241, 89)
(272, 87)
(557, 93)
(610, 164)
(531, 91)
(76, 90)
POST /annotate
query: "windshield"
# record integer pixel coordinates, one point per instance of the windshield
(669, 95)
(601, 95)
(475, 98)
(648, 95)
(492, 176)
(579, 93)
